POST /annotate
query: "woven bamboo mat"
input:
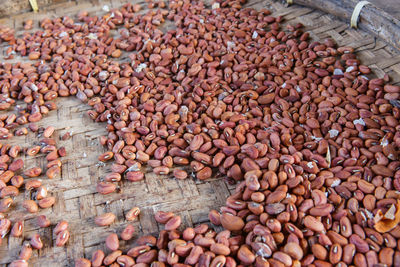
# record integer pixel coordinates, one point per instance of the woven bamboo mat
(77, 200)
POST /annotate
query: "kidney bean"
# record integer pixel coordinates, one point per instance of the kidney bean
(372, 258)
(188, 234)
(112, 257)
(231, 222)
(313, 224)
(61, 226)
(112, 242)
(132, 214)
(147, 257)
(104, 219)
(386, 256)
(97, 258)
(46, 202)
(128, 232)
(82, 262)
(173, 223)
(62, 238)
(17, 229)
(36, 241)
(245, 255)
(311, 142)
(125, 260)
(319, 251)
(30, 206)
(180, 174)
(361, 245)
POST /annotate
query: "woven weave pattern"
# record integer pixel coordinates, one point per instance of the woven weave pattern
(77, 199)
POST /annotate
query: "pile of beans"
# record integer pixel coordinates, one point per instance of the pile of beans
(310, 139)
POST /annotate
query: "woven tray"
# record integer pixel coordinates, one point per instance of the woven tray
(77, 200)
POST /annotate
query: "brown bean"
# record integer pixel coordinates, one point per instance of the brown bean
(30, 206)
(372, 258)
(348, 253)
(188, 234)
(112, 257)
(194, 255)
(218, 261)
(16, 165)
(113, 177)
(53, 171)
(134, 176)
(48, 131)
(61, 226)
(17, 229)
(311, 143)
(386, 256)
(231, 222)
(128, 232)
(180, 174)
(125, 260)
(9, 191)
(361, 245)
(62, 238)
(97, 258)
(32, 183)
(33, 172)
(5, 204)
(43, 221)
(245, 255)
(204, 173)
(319, 251)
(335, 253)
(41, 192)
(46, 202)
(132, 214)
(173, 223)
(163, 217)
(360, 260)
(313, 224)
(26, 251)
(36, 241)
(293, 250)
(82, 262)
(220, 249)
(104, 219)
(112, 242)
(105, 188)
(147, 257)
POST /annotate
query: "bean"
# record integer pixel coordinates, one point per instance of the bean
(112, 242)
(311, 144)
